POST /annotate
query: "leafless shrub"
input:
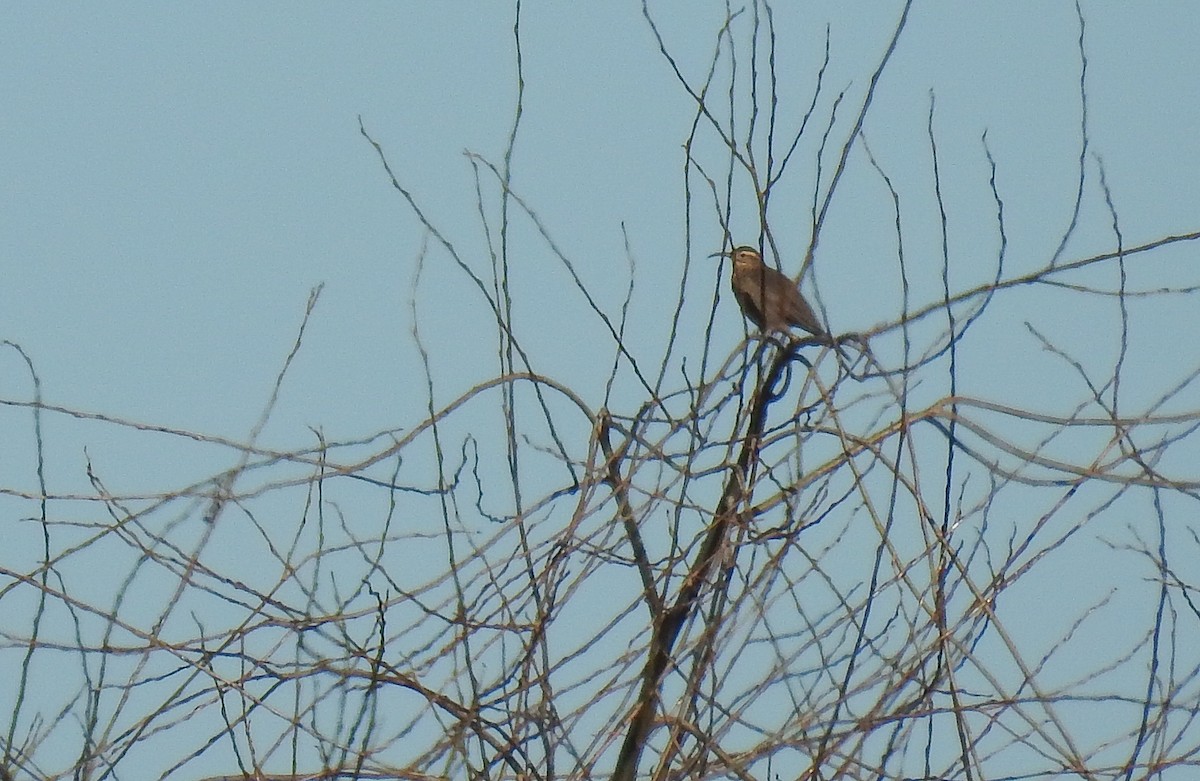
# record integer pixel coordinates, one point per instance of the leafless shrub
(751, 559)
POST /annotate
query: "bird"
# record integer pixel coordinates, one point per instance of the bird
(768, 298)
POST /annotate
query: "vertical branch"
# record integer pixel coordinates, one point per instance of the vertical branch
(11, 755)
(1084, 141)
(946, 649)
(665, 632)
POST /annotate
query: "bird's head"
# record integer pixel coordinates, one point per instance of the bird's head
(743, 257)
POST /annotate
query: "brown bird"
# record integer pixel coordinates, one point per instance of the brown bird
(768, 298)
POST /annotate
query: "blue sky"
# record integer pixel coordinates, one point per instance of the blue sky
(174, 180)
(177, 180)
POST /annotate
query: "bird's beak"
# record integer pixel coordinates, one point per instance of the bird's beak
(722, 254)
